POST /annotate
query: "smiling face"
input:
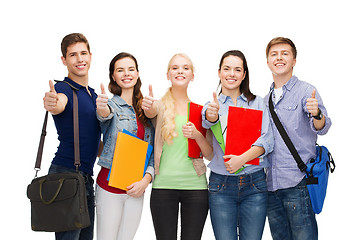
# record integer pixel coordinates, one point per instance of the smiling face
(231, 74)
(281, 61)
(125, 73)
(77, 60)
(180, 71)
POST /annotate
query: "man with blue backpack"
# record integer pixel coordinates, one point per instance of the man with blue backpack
(302, 113)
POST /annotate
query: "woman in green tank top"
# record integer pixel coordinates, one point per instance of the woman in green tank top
(179, 181)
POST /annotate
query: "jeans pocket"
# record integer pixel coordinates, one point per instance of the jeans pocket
(260, 185)
(215, 186)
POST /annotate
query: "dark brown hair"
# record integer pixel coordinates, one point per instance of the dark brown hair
(72, 39)
(281, 40)
(117, 90)
(245, 85)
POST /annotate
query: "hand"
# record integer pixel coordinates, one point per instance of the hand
(147, 101)
(102, 99)
(312, 104)
(212, 110)
(234, 163)
(190, 131)
(137, 188)
(50, 99)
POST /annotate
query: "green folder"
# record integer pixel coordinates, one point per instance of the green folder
(217, 131)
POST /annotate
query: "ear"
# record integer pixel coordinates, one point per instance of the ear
(64, 61)
(192, 78)
(219, 73)
(294, 62)
(244, 75)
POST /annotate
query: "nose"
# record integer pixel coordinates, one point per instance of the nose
(232, 72)
(126, 72)
(279, 56)
(79, 58)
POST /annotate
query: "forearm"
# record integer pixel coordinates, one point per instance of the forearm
(104, 112)
(319, 124)
(205, 147)
(252, 153)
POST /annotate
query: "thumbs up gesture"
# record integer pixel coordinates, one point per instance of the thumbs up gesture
(50, 99)
(148, 104)
(148, 100)
(312, 104)
(102, 99)
(212, 109)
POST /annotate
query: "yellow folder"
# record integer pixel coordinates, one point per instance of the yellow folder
(128, 161)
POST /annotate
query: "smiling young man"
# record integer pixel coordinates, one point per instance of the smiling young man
(303, 115)
(76, 57)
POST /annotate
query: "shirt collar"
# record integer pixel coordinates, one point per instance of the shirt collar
(289, 85)
(118, 100)
(76, 85)
(223, 98)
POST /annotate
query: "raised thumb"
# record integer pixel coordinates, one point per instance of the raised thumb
(313, 93)
(51, 85)
(103, 89)
(151, 94)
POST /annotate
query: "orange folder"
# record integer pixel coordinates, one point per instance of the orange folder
(195, 116)
(243, 129)
(128, 161)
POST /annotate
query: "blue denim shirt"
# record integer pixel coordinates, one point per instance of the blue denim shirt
(294, 116)
(122, 116)
(265, 140)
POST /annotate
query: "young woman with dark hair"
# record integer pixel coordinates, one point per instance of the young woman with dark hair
(119, 211)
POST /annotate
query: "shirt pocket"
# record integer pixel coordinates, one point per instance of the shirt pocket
(123, 120)
(290, 107)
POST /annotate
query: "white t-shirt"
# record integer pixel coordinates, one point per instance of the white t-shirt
(278, 94)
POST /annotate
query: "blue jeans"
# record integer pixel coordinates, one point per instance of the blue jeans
(290, 214)
(85, 233)
(238, 205)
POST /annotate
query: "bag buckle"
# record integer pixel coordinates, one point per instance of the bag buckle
(36, 172)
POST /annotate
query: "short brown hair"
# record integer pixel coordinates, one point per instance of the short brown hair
(281, 40)
(72, 39)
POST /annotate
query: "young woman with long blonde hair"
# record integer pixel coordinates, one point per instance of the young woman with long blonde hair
(179, 180)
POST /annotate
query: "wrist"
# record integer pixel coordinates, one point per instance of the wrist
(319, 116)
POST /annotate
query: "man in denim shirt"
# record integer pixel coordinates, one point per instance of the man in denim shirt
(303, 115)
(59, 102)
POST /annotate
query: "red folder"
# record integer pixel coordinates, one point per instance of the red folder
(243, 129)
(195, 116)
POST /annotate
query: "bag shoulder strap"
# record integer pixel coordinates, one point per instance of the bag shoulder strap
(77, 161)
(285, 137)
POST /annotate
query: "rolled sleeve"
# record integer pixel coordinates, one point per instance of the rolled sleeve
(266, 140)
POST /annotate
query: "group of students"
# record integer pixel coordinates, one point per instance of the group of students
(238, 202)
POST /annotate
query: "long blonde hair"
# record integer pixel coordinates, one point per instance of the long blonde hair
(168, 126)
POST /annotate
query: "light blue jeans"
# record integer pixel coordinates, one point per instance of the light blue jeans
(290, 214)
(238, 205)
(85, 233)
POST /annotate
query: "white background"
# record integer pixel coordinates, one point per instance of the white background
(327, 34)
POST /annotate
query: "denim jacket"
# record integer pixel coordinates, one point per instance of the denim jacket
(122, 116)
